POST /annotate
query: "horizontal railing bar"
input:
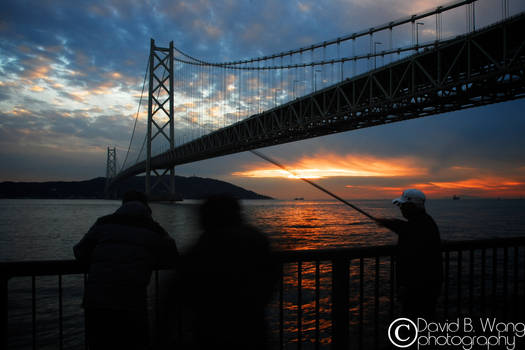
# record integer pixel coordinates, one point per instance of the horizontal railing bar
(64, 267)
(331, 254)
(41, 268)
(387, 250)
(483, 243)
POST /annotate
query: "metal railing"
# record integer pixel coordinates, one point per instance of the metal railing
(481, 277)
(341, 298)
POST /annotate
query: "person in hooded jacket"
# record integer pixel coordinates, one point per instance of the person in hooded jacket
(121, 250)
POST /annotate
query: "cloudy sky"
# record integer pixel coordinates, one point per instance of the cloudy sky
(71, 76)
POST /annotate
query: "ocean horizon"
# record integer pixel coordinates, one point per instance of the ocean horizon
(47, 229)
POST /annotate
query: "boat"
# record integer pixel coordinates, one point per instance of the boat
(454, 197)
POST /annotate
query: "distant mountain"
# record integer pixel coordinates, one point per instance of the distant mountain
(186, 188)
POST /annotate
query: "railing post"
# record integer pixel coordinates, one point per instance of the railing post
(3, 324)
(340, 305)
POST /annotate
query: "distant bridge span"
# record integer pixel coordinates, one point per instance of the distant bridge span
(476, 69)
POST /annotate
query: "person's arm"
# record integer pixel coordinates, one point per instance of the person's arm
(85, 247)
(395, 225)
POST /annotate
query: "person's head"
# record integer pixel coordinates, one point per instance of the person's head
(220, 211)
(411, 203)
(135, 196)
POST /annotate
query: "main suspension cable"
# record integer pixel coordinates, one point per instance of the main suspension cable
(136, 117)
(353, 36)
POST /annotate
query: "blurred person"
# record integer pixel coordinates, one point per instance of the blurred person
(227, 279)
(121, 250)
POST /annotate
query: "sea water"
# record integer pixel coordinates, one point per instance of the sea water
(47, 230)
(34, 229)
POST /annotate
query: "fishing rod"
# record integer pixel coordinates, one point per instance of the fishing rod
(268, 159)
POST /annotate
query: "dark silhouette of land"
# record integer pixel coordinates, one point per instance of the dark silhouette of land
(186, 187)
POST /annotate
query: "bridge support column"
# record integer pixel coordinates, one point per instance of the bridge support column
(111, 169)
(160, 116)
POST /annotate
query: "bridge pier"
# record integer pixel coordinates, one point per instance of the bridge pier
(111, 172)
(161, 79)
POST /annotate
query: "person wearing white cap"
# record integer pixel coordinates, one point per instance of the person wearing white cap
(413, 196)
(419, 271)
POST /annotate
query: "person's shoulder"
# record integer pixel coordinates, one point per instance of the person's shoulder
(433, 226)
(252, 230)
(256, 236)
(116, 219)
(429, 220)
(135, 221)
(156, 227)
(101, 222)
(106, 219)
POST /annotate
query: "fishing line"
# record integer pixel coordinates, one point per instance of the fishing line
(268, 159)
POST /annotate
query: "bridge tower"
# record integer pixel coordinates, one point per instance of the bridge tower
(111, 167)
(160, 113)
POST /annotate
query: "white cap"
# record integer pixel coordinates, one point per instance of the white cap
(411, 196)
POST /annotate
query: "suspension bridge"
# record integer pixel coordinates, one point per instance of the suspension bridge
(409, 68)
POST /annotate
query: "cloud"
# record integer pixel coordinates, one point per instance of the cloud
(37, 88)
(334, 165)
(477, 187)
(71, 73)
(483, 187)
(377, 177)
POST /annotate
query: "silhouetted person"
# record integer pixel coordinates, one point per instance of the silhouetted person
(228, 278)
(419, 267)
(121, 251)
